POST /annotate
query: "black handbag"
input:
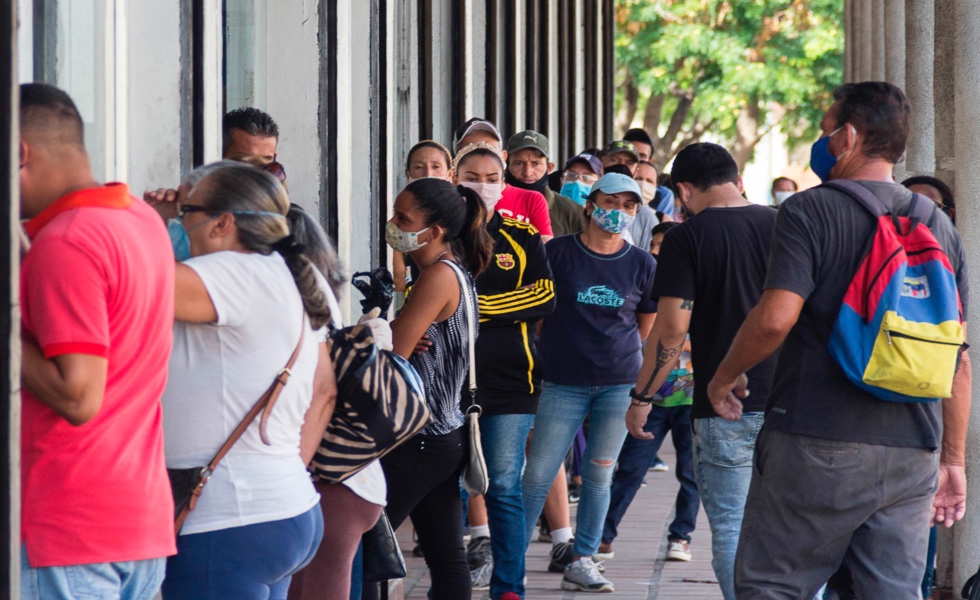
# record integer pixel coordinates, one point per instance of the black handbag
(383, 558)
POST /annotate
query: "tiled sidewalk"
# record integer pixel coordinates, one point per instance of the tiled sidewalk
(638, 570)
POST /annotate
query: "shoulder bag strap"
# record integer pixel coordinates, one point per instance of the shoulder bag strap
(264, 405)
(863, 195)
(470, 324)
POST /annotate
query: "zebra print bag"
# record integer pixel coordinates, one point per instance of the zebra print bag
(380, 404)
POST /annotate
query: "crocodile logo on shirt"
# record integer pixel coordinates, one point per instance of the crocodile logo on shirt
(600, 295)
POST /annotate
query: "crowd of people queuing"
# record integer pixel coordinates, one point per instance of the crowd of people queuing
(614, 305)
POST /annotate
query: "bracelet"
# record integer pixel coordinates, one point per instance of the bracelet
(639, 403)
(635, 396)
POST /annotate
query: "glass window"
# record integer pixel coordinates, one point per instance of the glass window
(245, 53)
(73, 49)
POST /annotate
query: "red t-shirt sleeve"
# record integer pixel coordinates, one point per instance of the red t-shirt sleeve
(67, 299)
(538, 214)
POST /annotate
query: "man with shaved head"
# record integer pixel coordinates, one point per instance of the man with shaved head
(97, 296)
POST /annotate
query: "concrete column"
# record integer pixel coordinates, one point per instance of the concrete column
(919, 47)
(848, 41)
(944, 90)
(895, 43)
(878, 40)
(967, 98)
(866, 36)
(894, 27)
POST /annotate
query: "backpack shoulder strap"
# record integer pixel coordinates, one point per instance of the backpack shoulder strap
(863, 195)
(923, 209)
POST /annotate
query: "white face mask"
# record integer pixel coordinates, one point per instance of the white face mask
(648, 190)
(490, 192)
(781, 197)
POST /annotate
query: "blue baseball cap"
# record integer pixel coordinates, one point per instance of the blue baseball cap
(617, 183)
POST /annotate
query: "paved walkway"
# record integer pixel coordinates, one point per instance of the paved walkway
(638, 570)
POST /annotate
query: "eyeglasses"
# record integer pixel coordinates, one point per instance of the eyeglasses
(183, 209)
(587, 178)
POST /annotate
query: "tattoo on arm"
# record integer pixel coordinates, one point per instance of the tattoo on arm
(687, 304)
(665, 358)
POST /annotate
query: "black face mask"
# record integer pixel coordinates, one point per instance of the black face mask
(537, 186)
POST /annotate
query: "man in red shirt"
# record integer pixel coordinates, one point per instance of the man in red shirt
(97, 293)
(515, 203)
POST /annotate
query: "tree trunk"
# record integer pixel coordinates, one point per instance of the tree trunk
(665, 149)
(652, 115)
(627, 110)
(747, 132)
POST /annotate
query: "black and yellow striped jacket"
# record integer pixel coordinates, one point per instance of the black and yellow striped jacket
(515, 291)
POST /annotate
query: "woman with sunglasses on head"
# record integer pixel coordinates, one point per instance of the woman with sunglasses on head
(441, 228)
(515, 291)
(592, 355)
(246, 300)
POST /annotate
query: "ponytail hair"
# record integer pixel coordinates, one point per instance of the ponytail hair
(462, 215)
(259, 203)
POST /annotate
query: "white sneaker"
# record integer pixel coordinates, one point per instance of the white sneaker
(678, 550)
(583, 576)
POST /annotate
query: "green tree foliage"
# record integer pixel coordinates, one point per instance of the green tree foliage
(728, 68)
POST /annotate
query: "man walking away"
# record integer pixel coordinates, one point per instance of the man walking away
(97, 292)
(711, 271)
(842, 474)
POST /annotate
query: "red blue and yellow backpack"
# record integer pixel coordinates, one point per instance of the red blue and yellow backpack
(900, 327)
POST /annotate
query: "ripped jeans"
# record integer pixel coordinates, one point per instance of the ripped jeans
(561, 411)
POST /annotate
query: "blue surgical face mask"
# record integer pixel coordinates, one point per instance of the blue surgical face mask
(614, 220)
(821, 160)
(179, 240)
(576, 191)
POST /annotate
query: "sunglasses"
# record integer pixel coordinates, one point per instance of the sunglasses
(275, 168)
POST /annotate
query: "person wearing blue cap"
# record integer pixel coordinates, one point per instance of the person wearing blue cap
(602, 287)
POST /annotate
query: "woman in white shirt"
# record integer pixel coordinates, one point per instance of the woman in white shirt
(244, 301)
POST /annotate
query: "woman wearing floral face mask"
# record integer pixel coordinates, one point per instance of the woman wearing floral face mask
(438, 225)
(590, 347)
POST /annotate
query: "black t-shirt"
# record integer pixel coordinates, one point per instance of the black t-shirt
(820, 240)
(718, 259)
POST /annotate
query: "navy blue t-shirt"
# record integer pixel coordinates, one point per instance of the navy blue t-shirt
(592, 338)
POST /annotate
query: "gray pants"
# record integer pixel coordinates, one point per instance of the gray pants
(814, 503)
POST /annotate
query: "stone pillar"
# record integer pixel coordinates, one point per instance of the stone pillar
(919, 47)
(967, 148)
(895, 43)
(848, 42)
(864, 22)
(894, 26)
(878, 40)
(944, 90)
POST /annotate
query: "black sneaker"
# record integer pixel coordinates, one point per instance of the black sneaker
(478, 553)
(561, 556)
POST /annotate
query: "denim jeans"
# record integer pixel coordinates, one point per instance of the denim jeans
(504, 439)
(638, 455)
(561, 411)
(131, 580)
(250, 562)
(723, 453)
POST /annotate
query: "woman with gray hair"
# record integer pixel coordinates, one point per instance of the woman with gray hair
(245, 301)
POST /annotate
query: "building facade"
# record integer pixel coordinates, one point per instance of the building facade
(353, 84)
